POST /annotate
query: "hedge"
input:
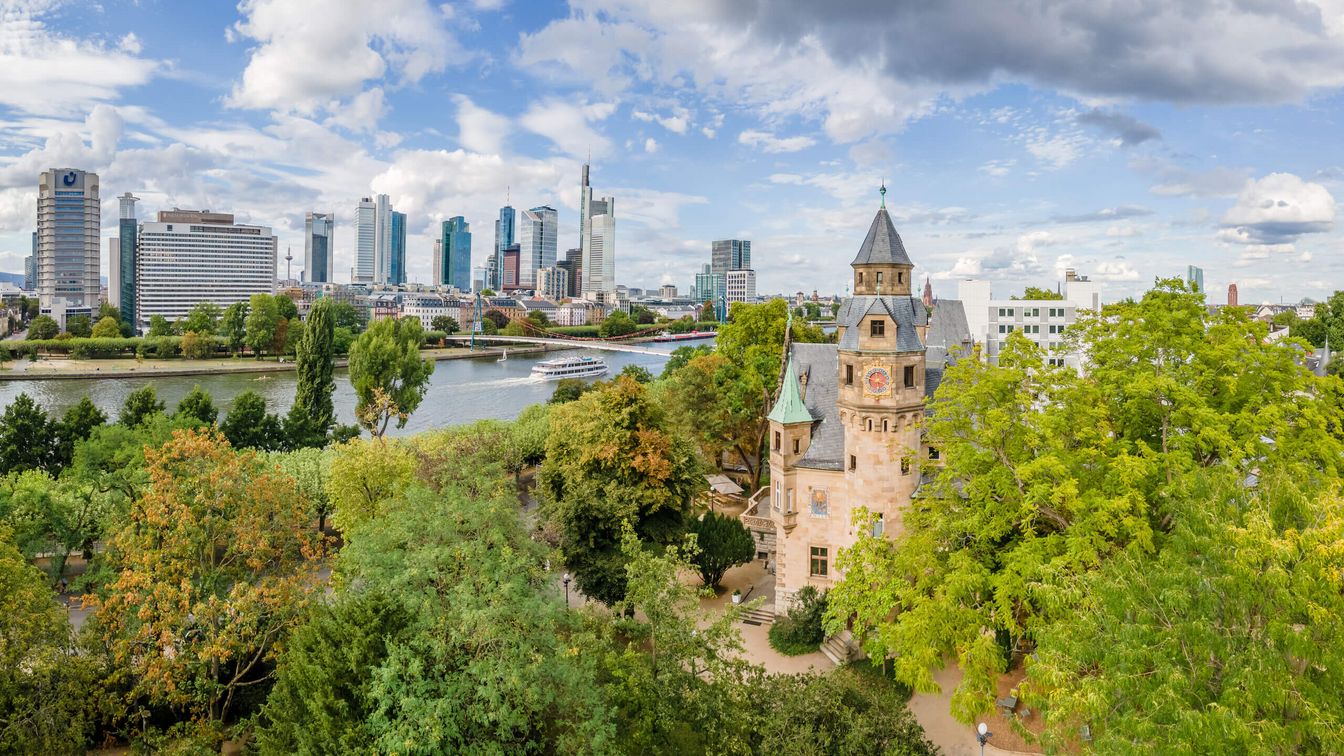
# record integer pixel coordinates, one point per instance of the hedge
(86, 348)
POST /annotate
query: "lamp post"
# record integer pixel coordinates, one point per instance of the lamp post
(565, 580)
(983, 735)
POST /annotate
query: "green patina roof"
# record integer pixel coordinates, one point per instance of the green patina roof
(790, 408)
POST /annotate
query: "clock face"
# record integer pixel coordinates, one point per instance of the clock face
(877, 380)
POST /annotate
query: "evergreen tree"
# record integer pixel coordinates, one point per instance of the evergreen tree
(198, 406)
(25, 437)
(249, 426)
(723, 543)
(311, 417)
(139, 406)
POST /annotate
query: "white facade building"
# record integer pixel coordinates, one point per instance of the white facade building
(188, 256)
(741, 285)
(1042, 321)
(426, 307)
(365, 221)
(382, 239)
(113, 269)
(571, 314)
(597, 244)
(69, 226)
(553, 283)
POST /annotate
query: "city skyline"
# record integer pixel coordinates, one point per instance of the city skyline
(1011, 166)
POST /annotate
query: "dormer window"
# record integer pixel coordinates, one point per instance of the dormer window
(877, 328)
(879, 278)
(860, 272)
(900, 277)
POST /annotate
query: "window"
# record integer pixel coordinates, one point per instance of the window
(877, 328)
(1056, 361)
(779, 495)
(795, 446)
(879, 527)
(860, 277)
(821, 561)
(776, 440)
(1034, 312)
(900, 277)
(879, 278)
(933, 452)
(909, 376)
(853, 462)
(870, 423)
(884, 426)
(849, 375)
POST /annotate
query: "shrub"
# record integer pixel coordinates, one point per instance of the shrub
(800, 631)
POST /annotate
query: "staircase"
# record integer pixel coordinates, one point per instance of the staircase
(837, 648)
(761, 615)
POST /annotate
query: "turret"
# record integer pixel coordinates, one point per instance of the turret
(882, 267)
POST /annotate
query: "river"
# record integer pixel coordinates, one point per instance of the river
(460, 391)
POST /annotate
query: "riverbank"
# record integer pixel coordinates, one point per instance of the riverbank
(58, 368)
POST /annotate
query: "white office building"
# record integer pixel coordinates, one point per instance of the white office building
(366, 214)
(190, 256)
(597, 244)
(1042, 321)
(69, 225)
(741, 285)
(536, 235)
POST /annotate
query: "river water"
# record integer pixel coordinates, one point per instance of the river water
(460, 391)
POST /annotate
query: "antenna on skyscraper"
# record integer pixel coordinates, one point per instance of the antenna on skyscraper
(507, 198)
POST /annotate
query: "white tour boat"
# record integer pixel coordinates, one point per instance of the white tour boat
(569, 367)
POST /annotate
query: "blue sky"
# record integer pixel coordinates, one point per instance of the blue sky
(1125, 140)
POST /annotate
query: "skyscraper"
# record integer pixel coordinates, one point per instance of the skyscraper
(536, 244)
(573, 265)
(730, 254)
(30, 268)
(190, 256)
(123, 293)
(319, 229)
(504, 238)
(365, 215)
(509, 281)
(397, 248)
(597, 243)
(455, 258)
(1195, 277)
(382, 239)
(69, 222)
(1231, 295)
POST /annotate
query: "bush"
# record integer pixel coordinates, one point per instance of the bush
(800, 631)
(432, 338)
(585, 331)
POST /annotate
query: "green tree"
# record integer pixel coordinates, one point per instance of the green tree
(43, 327)
(345, 315)
(50, 517)
(444, 323)
(499, 319)
(515, 328)
(569, 389)
(214, 569)
(681, 356)
(262, 320)
(364, 476)
(159, 326)
(139, 406)
(310, 468)
(1047, 475)
(539, 319)
(203, 319)
(312, 415)
(77, 424)
(1034, 292)
(642, 315)
(286, 307)
(840, 713)
(26, 437)
(233, 325)
(197, 407)
(612, 459)
(342, 339)
(44, 683)
(107, 328)
(249, 426)
(79, 326)
(637, 373)
(388, 375)
(321, 699)
(802, 630)
(722, 542)
(197, 347)
(682, 325)
(616, 324)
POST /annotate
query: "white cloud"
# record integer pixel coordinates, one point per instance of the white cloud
(1277, 209)
(1056, 151)
(767, 142)
(997, 168)
(362, 113)
(52, 74)
(650, 145)
(478, 129)
(309, 53)
(567, 125)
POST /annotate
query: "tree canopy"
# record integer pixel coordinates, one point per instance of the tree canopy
(388, 374)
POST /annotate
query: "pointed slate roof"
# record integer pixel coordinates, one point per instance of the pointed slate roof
(790, 407)
(882, 246)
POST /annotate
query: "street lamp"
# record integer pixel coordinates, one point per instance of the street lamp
(983, 735)
(565, 580)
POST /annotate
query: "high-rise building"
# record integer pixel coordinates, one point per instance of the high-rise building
(597, 243)
(730, 254)
(382, 239)
(455, 257)
(504, 238)
(436, 265)
(113, 270)
(478, 278)
(509, 279)
(189, 256)
(710, 286)
(1231, 295)
(1194, 276)
(396, 253)
(554, 283)
(319, 231)
(365, 222)
(536, 244)
(30, 268)
(122, 293)
(740, 285)
(573, 265)
(667, 291)
(69, 224)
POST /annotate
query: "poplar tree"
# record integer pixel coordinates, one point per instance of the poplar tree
(312, 415)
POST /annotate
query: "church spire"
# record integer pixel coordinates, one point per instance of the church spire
(928, 293)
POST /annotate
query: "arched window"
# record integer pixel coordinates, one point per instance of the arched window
(884, 426)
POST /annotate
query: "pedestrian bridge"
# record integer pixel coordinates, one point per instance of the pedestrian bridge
(608, 346)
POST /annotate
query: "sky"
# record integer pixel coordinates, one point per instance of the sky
(1125, 140)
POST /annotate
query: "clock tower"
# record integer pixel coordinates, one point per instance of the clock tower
(880, 340)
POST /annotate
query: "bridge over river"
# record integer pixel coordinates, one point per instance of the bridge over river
(609, 346)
